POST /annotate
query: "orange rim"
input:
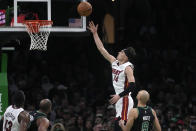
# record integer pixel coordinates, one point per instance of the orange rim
(33, 25)
(41, 22)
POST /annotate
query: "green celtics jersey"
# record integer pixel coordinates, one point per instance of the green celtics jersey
(144, 121)
(33, 118)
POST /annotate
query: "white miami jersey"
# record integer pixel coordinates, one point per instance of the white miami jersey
(120, 81)
(10, 120)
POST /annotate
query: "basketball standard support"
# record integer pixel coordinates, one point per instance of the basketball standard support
(3, 84)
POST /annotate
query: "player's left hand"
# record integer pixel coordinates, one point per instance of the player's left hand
(114, 98)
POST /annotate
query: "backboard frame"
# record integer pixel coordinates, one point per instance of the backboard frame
(20, 28)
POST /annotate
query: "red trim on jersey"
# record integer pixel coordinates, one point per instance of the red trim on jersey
(125, 108)
(125, 103)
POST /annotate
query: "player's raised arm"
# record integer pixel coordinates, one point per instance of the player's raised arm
(99, 43)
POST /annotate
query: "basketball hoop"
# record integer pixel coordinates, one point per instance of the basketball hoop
(38, 30)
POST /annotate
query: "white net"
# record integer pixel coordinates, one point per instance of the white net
(38, 33)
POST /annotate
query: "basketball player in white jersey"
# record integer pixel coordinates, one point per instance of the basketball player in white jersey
(123, 78)
(15, 118)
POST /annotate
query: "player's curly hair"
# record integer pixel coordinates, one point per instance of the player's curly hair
(18, 98)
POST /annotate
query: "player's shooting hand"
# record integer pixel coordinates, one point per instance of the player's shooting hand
(114, 98)
(92, 27)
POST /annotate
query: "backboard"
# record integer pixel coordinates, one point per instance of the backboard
(63, 13)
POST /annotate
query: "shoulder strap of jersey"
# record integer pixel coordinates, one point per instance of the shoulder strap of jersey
(150, 109)
(41, 115)
(129, 64)
(115, 62)
(138, 111)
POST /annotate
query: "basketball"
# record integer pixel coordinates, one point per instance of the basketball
(84, 8)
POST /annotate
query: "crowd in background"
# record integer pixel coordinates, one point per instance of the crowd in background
(80, 96)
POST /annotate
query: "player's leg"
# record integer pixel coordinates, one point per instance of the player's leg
(119, 108)
(125, 104)
(116, 124)
(131, 104)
